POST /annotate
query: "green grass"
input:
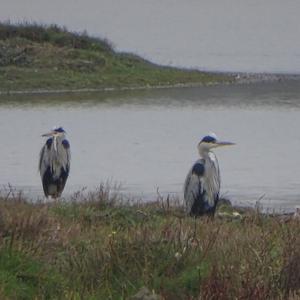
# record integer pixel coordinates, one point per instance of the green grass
(35, 57)
(23, 277)
(98, 247)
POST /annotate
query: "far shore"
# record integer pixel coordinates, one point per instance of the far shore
(239, 78)
(41, 59)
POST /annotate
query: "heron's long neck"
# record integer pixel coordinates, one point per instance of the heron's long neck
(56, 141)
(204, 152)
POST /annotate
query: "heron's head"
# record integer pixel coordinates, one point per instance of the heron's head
(55, 132)
(211, 141)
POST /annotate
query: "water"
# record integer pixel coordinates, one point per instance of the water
(146, 140)
(227, 35)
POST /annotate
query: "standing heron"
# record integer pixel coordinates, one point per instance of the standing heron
(202, 184)
(54, 164)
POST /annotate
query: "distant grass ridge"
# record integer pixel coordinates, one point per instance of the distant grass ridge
(48, 57)
(53, 34)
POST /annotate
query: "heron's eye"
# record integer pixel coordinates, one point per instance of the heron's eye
(208, 139)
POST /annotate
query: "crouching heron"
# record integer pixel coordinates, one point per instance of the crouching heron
(54, 164)
(202, 184)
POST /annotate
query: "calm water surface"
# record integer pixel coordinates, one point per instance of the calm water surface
(148, 139)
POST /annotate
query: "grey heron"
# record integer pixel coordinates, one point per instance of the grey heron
(54, 163)
(202, 184)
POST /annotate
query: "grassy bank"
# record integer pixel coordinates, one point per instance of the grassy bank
(97, 247)
(35, 57)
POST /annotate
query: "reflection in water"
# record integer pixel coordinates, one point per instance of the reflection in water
(283, 94)
(147, 139)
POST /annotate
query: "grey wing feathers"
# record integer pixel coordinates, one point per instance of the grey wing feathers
(66, 155)
(193, 186)
(50, 158)
(54, 166)
(65, 158)
(44, 160)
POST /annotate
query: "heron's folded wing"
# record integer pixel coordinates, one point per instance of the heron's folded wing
(66, 155)
(193, 186)
(44, 161)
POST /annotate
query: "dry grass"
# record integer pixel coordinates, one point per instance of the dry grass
(95, 247)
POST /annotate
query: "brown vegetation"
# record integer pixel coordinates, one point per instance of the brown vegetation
(97, 247)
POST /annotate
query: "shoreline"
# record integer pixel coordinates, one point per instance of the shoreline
(104, 89)
(225, 209)
(239, 79)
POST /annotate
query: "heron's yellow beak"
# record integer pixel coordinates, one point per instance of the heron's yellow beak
(51, 133)
(222, 143)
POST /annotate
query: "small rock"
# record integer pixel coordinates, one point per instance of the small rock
(145, 294)
(224, 201)
(297, 212)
